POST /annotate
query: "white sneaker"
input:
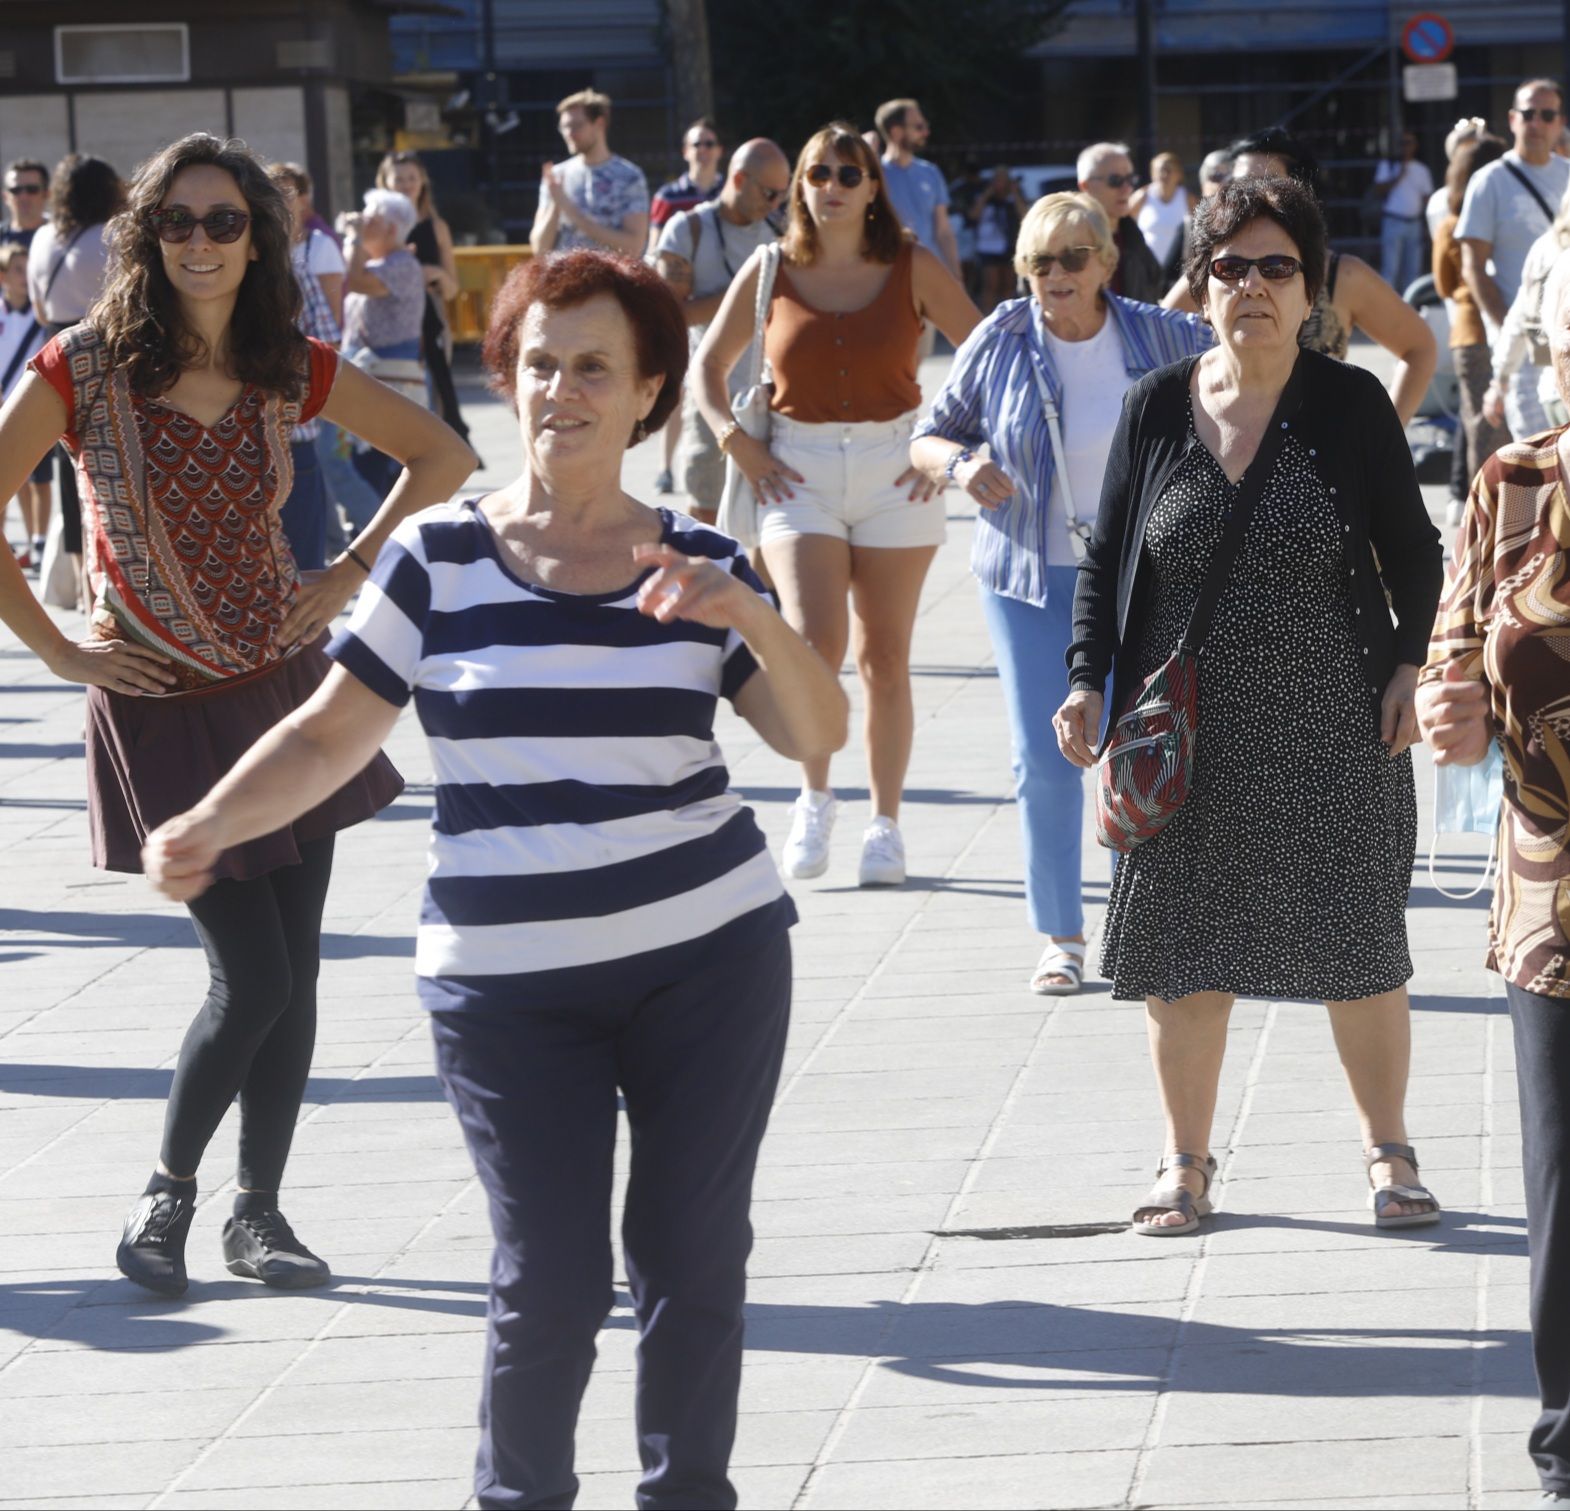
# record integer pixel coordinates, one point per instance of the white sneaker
(882, 855)
(806, 852)
(1453, 511)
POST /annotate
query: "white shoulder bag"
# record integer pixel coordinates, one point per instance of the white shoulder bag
(738, 511)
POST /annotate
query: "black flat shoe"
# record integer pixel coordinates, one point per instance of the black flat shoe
(152, 1249)
(262, 1246)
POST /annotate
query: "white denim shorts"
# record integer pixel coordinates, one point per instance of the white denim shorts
(849, 491)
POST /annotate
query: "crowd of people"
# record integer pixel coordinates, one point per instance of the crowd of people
(1179, 484)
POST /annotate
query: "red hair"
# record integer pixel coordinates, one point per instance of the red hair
(563, 279)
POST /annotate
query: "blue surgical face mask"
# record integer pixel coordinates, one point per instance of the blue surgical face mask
(1467, 801)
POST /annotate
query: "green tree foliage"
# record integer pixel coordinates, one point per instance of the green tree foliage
(782, 68)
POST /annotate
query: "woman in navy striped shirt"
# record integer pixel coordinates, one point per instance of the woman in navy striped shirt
(1035, 373)
(602, 914)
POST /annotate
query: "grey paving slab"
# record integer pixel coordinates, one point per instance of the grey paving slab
(1058, 1361)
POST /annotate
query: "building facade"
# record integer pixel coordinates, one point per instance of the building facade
(297, 82)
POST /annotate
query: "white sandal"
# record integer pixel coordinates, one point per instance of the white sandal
(1065, 957)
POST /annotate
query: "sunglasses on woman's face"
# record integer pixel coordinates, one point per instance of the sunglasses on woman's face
(180, 225)
(1073, 260)
(1277, 268)
(820, 174)
(703, 141)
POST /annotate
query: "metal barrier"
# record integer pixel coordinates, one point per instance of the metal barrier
(481, 273)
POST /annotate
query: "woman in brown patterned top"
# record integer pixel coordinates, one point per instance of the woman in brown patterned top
(1499, 669)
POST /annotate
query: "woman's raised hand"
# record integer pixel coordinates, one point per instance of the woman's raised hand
(1076, 724)
(984, 481)
(771, 479)
(121, 666)
(321, 599)
(694, 588)
(1454, 718)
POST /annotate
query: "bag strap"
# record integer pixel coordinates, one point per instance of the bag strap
(59, 262)
(1251, 488)
(1531, 188)
(19, 356)
(1078, 530)
(768, 268)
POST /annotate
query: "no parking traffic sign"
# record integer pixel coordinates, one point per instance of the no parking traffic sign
(1427, 38)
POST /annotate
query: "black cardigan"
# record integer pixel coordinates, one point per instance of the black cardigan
(1344, 418)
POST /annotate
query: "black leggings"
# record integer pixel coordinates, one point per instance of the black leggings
(1542, 1058)
(256, 1030)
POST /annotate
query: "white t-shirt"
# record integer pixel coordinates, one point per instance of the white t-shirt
(1094, 381)
(1414, 183)
(1438, 211)
(318, 254)
(1161, 220)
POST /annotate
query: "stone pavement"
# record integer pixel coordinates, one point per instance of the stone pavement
(944, 1311)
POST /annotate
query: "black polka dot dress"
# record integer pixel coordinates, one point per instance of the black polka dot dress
(1285, 873)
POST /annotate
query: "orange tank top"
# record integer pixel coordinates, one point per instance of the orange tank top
(841, 368)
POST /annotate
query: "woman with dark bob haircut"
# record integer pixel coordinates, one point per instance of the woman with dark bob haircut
(177, 397)
(1284, 872)
(601, 915)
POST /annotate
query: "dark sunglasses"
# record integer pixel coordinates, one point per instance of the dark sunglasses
(1073, 260)
(221, 226)
(1117, 180)
(1538, 114)
(704, 141)
(848, 174)
(24, 188)
(1277, 268)
(770, 196)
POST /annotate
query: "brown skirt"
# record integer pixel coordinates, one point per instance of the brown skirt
(149, 759)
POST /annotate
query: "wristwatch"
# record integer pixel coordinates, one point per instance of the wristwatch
(965, 454)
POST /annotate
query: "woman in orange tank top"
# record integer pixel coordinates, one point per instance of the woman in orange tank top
(842, 514)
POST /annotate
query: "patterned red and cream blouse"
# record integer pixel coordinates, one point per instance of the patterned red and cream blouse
(1505, 618)
(185, 553)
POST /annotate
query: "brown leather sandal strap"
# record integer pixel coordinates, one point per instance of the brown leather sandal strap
(1377, 1152)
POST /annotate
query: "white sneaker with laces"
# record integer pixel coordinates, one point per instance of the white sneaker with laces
(812, 822)
(882, 855)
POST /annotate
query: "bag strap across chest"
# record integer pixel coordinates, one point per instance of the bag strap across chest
(1250, 489)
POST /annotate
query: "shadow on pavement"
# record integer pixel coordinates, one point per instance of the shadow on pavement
(1040, 1345)
(941, 796)
(60, 929)
(109, 1083)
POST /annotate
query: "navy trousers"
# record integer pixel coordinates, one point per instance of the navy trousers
(697, 1062)
(1542, 1067)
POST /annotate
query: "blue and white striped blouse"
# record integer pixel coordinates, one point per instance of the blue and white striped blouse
(584, 840)
(991, 398)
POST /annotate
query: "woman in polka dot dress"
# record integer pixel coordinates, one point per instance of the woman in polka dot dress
(1285, 872)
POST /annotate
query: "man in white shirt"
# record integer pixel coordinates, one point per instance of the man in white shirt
(594, 199)
(1405, 187)
(1508, 205)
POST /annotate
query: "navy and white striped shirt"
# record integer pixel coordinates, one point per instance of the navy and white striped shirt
(991, 398)
(584, 834)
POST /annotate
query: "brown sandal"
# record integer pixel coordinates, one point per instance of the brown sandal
(1180, 1200)
(1393, 1192)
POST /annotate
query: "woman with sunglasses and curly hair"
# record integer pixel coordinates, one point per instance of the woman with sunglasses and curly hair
(177, 398)
(841, 510)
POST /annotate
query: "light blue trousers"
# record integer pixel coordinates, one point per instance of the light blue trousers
(1030, 644)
